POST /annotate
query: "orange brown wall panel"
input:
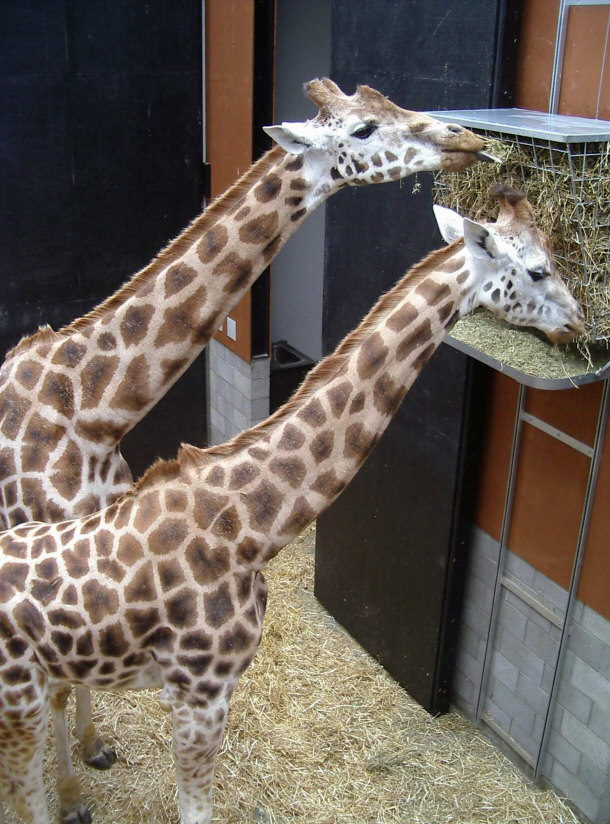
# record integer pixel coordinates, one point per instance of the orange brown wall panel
(229, 60)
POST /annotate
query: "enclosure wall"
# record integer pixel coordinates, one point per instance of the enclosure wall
(101, 139)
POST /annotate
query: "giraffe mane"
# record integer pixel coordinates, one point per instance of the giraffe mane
(45, 334)
(177, 247)
(172, 252)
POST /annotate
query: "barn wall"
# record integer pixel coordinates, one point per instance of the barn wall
(387, 562)
(549, 498)
(524, 637)
(551, 486)
(100, 139)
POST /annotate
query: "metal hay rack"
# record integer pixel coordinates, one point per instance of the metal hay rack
(561, 163)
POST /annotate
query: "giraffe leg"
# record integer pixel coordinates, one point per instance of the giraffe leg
(72, 808)
(96, 753)
(23, 728)
(197, 733)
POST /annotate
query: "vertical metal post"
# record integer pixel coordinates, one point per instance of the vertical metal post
(560, 45)
(506, 518)
(204, 148)
(600, 433)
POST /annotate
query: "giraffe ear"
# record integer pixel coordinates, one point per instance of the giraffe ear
(294, 138)
(450, 223)
(479, 240)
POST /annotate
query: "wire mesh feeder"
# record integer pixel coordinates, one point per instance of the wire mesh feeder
(561, 163)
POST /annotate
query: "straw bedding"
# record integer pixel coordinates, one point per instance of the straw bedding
(317, 733)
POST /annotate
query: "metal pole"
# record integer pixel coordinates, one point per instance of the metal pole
(506, 517)
(204, 148)
(600, 433)
(560, 45)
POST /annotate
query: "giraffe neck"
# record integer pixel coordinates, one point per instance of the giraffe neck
(124, 355)
(290, 468)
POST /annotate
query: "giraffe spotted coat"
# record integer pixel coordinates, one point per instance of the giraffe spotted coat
(165, 586)
(67, 398)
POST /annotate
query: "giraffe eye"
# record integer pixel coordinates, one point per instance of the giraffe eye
(362, 132)
(538, 274)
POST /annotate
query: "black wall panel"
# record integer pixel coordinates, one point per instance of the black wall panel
(100, 146)
(387, 550)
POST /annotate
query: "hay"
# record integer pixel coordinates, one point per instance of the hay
(569, 187)
(318, 733)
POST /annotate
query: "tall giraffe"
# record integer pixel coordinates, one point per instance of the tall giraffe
(165, 586)
(67, 398)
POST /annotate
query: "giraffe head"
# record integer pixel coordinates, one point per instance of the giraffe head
(514, 268)
(365, 138)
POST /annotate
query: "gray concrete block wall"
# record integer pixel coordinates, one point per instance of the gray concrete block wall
(476, 613)
(238, 392)
(578, 756)
(521, 672)
(525, 645)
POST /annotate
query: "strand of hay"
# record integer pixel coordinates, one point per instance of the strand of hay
(318, 733)
(569, 187)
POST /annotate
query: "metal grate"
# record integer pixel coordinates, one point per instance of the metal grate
(566, 179)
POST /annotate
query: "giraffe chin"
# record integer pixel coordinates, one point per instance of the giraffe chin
(456, 161)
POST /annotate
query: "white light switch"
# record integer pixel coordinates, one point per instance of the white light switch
(231, 329)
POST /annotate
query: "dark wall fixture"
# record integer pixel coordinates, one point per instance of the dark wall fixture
(101, 142)
(391, 551)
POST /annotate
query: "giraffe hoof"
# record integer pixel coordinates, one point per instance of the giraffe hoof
(76, 815)
(103, 759)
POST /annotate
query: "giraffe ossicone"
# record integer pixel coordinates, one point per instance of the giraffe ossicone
(165, 587)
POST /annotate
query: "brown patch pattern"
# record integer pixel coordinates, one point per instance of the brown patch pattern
(181, 321)
(134, 325)
(133, 392)
(373, 353)
(58, 393)
(338, 397)
(212, 243)
(235, 270)
(313, 413)
(416, 337)
(95, 377)
(260, 229)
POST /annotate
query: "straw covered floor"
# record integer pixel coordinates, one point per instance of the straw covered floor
(317, 733)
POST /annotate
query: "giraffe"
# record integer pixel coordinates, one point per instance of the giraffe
(165, 586)
(67, 398)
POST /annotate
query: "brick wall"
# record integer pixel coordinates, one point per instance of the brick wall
(238, 392)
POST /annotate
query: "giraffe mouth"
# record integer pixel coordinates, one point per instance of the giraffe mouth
(454, 160)
(567, 333)
(487, 158)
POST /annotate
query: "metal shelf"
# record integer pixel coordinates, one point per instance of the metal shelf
(561, 128)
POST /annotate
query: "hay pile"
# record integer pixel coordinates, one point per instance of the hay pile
(527, 350)
(318, 734)
(569, 187)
